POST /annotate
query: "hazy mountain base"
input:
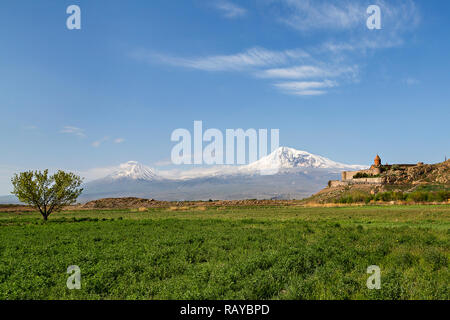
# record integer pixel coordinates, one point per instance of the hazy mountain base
(9, 200)
(288, 184)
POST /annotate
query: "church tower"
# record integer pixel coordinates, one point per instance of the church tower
(377, 161)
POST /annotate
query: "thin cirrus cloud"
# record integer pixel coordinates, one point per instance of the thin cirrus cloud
(73, 130)
(411, 81)
(81, 133)
(306, 88)
(98, 143)
(30, 127)
(341, 15)
(307, 71)
(317, 64)
(262, 63)
(229, 9)
(254, 57)
(305, 15)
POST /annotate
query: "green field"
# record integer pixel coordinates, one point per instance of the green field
(228, 253)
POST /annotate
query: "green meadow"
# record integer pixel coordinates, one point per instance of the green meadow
(228, 253)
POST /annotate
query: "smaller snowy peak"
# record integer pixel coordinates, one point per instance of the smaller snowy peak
(287, 158)
(135, 171)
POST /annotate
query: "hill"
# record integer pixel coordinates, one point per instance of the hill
(419, 183)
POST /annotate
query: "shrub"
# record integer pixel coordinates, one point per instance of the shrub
(416, 196)
(360, 175)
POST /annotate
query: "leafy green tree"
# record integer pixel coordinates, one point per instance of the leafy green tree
(47, 193)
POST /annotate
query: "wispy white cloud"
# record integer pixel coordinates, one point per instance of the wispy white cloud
(306, 88)
(339, 15)
(98, 143)
(307, 72)
(73, 130)
(81, 133)
(361, 45)
(399, 15)
(330, 59)
(306, 15)
(309, 88)
(30, 128)
(411, 81)
(229, 9)
(254, 57)
(267, 64)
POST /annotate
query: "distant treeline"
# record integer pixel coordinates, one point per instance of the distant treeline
(416, 196)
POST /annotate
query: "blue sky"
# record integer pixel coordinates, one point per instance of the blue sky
(137, 70)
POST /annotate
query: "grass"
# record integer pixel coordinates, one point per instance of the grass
(228, 253)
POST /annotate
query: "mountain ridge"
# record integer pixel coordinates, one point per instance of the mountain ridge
(286, 173)
(281, 159)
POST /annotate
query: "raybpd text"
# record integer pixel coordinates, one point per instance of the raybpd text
(228, 309)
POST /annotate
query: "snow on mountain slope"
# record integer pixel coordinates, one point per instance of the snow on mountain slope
(289, 158)
(280, 160)
(284, 174)
(133, 170)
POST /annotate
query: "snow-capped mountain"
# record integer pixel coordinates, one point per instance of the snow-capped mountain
(289, 158)
(134, 171)
(282, 159)
(286, 173)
